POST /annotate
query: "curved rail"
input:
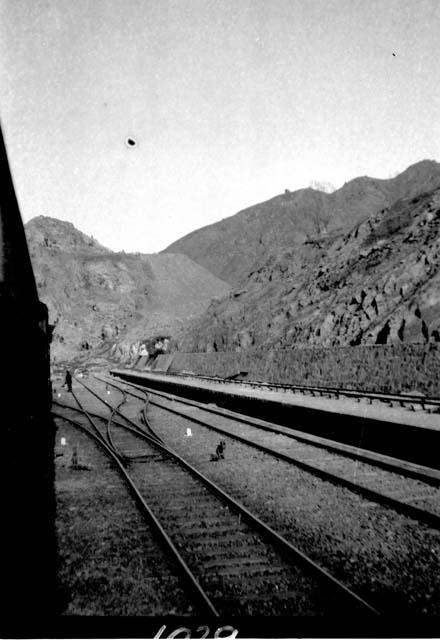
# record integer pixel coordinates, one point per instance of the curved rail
(123, 456)
(94, 415)
(116, 410)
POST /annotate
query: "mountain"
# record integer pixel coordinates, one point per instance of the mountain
(235, 246)
(378, 283)
(356, 266)
(97, 298)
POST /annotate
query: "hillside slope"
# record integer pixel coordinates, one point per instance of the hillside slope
(377, 284)
(96, 296)
(235, 246)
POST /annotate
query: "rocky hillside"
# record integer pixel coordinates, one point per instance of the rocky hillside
(379, 283)
(235, 246)
(98, 298)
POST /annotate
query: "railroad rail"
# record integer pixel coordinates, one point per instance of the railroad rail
(246, 518)
(428, 517)
(403, 399)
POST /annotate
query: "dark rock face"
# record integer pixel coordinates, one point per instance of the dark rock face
(98, 298)
(377, 284)
(237, 245)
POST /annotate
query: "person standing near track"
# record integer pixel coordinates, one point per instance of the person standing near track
(68, 381)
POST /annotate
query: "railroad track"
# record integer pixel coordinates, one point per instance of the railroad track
(233, 561)
(380, 480)
(198, 595)
(402, 399)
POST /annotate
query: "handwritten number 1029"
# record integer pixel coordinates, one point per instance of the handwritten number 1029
(184, 632)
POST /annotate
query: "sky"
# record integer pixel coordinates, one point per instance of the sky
(229, 102)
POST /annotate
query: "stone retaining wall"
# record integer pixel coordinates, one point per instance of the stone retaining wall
(388, 368)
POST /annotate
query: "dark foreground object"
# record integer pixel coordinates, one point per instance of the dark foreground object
(28, 544)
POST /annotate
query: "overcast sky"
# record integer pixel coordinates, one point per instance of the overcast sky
(229, 101)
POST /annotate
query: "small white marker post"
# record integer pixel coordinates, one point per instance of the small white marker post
(63, 442)
(188, 432)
